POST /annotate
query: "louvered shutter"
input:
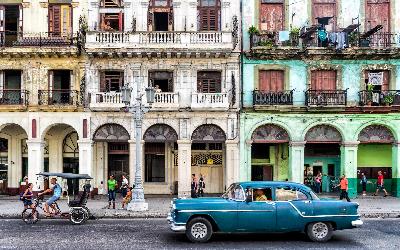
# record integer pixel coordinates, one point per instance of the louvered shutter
(20, 19)
(378, 13)
(209, 82)
(55, 19)
(121, 21)
(271, 80)
(323, 80)
(102, 81)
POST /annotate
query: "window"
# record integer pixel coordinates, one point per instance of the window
(162, 81)
(289, 194)
(234, 192)
(377, 13)
(271, 15)
(155, 162)
(10, 23)
(112, 21)
(111, 81)
(323, 9)
(60, 79)
(111, 3)
(160, 16)
(209, 82)
(323, 80)
(271, 80)
(10, 79)
(262, 194)
(209, 15)
(378, 78)
(60, 20)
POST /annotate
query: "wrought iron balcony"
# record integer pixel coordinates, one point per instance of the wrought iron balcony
(326, 97)
(271, 39)
(379, 98)
(40, 39)
(63, 97)
(273, 98)
(14, 97)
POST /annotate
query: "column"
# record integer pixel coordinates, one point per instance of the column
(132, 161)
(245, 168)
(184, 167)
(396, 169)
(296, 161)
(348, 159)
(85, 157)
(128, 16)
(35, 163)
(232, 162)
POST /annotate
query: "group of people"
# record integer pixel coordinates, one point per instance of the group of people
(126, 191)
(197, 186)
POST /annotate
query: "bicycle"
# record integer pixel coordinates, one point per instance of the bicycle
(30, 215)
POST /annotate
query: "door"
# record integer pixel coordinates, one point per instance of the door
(271, 80)
(377, 13)
(213, 177)
(323, 80)
(118, 165)
(324, 8)
(71, 165)
(257, 216)
(271, 16)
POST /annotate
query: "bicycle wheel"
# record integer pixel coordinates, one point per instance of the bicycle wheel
(78, 216)
(30, 216)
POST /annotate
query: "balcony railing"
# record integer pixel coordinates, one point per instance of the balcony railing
(59, 97)
(273, 98)
(326, 97)
(379, 98)
(14, 97)
(166, 100)
(106, 100)
(210, 101)
(39, 39)
(271, 39)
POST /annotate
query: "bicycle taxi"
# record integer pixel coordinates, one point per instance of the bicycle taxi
(78, 212)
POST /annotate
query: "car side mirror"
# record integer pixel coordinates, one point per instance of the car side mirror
(249, 198)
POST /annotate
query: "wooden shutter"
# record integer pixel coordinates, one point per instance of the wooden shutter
(209, 82)
(271, 16)
(121, 21)
(209, 17)
(271, 80)
(102, 81)
(55, 19)
(66, 19)
(20, 19)
(377, 13)
(323, 80)
(324, 8)
(2, 24)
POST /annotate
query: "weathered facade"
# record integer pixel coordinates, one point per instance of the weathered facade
(320, 91)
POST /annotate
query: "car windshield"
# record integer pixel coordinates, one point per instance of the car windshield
(234, 192)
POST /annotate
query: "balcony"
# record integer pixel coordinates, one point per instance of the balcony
(272, 98)
(14, 97)
(271, 39)
(177, 43)
(107, 101)
(326, 98)
(212, 101)
(379, 98)
(59, 97)
(166, 100)
(40, 39)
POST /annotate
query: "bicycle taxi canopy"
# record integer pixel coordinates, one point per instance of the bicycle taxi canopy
(66, 175)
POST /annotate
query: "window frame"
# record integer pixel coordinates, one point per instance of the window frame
(201, 79)
(205, 11)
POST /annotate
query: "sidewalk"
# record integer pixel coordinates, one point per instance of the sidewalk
(370, 207)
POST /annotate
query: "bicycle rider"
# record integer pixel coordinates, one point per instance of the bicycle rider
(57, 191)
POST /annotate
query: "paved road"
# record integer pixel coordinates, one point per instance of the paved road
(154, 234)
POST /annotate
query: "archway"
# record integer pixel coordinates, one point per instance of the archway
(70, 151)
(159, 150)
(208, 153)
(322, 155)
(375, 154)
(269, 153)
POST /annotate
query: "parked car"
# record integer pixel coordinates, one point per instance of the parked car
(257, 207)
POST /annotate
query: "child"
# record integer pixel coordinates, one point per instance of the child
(127, 198)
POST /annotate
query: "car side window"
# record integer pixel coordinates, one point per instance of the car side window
(235, 193)
(301, 195)
(262, 194)
(289, 194)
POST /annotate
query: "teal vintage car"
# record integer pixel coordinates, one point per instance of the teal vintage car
(263, 207)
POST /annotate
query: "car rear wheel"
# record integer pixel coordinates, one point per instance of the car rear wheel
(319, 231)
(199, 230)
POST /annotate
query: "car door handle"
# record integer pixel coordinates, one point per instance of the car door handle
(307, 202)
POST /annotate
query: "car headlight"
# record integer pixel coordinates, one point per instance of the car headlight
(174, 206)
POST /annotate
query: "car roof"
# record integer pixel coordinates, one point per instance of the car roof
(261, 184)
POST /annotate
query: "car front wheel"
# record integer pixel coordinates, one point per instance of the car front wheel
(199, 230)
(319, 231)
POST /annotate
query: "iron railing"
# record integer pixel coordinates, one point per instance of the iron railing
(326, 97)
(40, 39)
(271, 39)
(14, 97)
(379, 98)
(59, 97)
(273, 98)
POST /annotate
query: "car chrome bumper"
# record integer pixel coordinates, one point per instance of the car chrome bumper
(175, 227)
(357, 223)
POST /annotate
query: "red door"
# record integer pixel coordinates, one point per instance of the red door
(271, 80)
(377, 13)
(323, 80)
(271, 16)
(324, 8)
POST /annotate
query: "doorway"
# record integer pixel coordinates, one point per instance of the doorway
(262, 173)
(11, 24)
(71, 165)
(155, 162)
(118, 161)
(161, 21)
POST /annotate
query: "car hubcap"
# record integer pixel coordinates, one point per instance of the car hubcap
(320, 230)
(199, 230)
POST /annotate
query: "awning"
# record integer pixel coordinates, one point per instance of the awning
(60, 1)
(66, 175)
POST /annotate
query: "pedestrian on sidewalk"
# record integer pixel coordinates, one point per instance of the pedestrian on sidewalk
(111, 185)
(344, 187)
(124, 186)
(127, 198)
(363, 183)
(201, 186)
(193, 187)
(380, 184)
(318, 181)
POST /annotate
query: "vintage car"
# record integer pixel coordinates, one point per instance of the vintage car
(258, 207)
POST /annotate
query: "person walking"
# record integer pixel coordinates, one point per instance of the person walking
(111, 185)
(318, 181)
(201, 186)
(193, 187)
(344, 187)
(380, 184)
(363, 183)
(124, 186)
(27, 196)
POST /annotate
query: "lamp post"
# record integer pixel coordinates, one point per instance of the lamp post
(138, 110)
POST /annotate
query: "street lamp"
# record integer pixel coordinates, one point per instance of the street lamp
(138, 110)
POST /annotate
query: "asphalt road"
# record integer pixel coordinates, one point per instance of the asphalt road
(154, 234)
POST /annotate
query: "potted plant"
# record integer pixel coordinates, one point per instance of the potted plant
(294, 36)
(253, 31)
(370, 89)
(353, 39)
(388, 99)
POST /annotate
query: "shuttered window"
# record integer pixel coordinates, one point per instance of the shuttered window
(209, 82)
(111, 81)
(323, 80)
(60, 19)
(271, 16)
(271, 80)
(324, 8)
(209, 12)
(377, 13)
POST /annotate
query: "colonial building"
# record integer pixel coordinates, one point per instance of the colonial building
(321, 92)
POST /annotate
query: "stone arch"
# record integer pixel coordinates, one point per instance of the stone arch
(50, 126)
(160, 133)
(323, 133)
(376, 133)
(23, 130)
(111, 132)
(262, 123)
(270, 133)
(386, 126)
(208, 133)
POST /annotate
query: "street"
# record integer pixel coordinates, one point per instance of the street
(155, 234)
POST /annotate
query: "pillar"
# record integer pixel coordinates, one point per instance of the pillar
(296, 161)
(132, 161)
(85, 157)
(184, 167)
(232, 162)
(348, 158)
(396, 169)
(35, 163)
(245, 168)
